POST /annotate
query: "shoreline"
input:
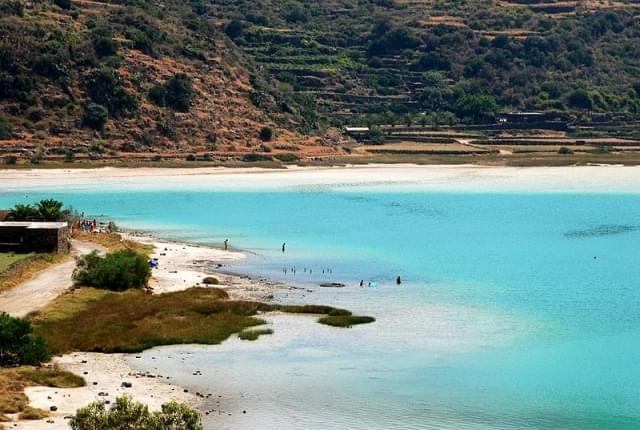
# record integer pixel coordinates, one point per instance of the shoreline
(436, 178)
(182, 265)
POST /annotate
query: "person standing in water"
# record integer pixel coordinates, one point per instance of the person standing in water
(226, 244)
(398, 281)
(283, 246)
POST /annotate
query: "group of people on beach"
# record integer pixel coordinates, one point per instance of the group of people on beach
(86, 226)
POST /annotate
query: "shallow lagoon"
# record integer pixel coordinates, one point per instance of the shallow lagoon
(517, 309)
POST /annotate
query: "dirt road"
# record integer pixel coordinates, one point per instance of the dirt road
(45, 286)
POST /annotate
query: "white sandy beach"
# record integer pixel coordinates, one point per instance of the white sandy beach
(468, 178)
(184, 266)
(104, 374)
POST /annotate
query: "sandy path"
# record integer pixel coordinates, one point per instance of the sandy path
(45, 286)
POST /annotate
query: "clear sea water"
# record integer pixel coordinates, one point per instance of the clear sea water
(517, 310)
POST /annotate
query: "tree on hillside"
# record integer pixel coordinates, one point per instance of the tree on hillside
(580, 99)
(266, 134)
(477, 107)
(130, 415)
(179, 92)
(5, 127)
(18, 344)
(234, 29)
(95, 116)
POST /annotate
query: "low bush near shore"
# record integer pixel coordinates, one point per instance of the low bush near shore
(102, 321)
(210, 280)
(117, 271)
(18, 344)
(130, 415)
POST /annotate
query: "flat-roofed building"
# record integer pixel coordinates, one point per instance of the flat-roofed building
(34, 236)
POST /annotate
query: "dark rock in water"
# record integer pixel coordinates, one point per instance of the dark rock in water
(332, 285)
(126, 385)
(53, 408)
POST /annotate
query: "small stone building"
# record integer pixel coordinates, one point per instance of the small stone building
(28, 236)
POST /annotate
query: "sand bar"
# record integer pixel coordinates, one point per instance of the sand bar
(464, 178)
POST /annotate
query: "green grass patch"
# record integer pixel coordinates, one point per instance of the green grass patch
(9, 258)
(210, 280)
(53, 377)
(132, 321)
(345, 320)
(30, 413)
(254, 334)
(14, 380)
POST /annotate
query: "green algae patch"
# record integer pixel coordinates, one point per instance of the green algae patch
(345, 320)
(92, 320)
(254, 334)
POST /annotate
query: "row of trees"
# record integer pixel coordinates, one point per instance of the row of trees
(44, 210)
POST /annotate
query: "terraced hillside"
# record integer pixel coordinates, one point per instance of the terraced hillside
(445, 61)
(95, 79)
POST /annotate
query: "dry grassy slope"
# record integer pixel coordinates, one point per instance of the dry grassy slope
(222, 121)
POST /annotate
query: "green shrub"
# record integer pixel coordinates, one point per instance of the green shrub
(158, 95)
(63, 4)
(266, 134)
(130, 415)
(69, 156)
(376, 136)
(234, 29)
(18, 344)
(191, 157)
(580, 99)
(103, 43)
(11, 160)
(179, 92)
(565, 151)
(210, 280)
(95, 116)
(12, 7)
(5, 127)
(117, 271)
(249, 158)
(287, 158)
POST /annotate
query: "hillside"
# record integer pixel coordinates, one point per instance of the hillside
(388, 61)
(102, 79)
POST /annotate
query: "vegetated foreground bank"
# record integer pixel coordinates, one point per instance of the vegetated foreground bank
(94, 320)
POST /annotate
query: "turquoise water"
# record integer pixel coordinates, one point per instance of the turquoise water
(517, 310)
